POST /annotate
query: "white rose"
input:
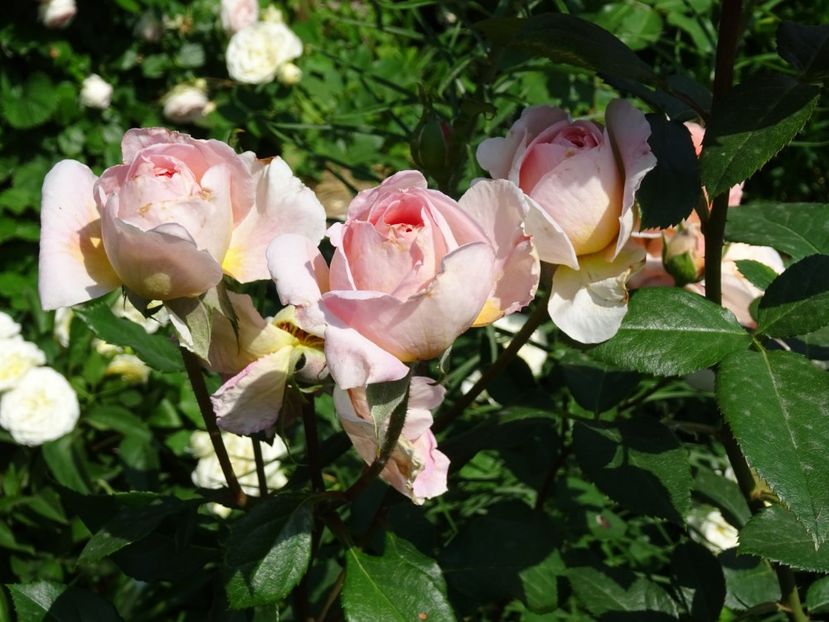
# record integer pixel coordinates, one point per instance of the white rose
(717, 533)
(17, 357)
(208, 473)
(57, 13)
(238, 14)
(186, 103)
(131, 368)
(255, 54)
(42, 407)
(96, 92)
(8, 327)
(272, 14)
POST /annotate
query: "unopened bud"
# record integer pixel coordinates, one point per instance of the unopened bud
(288, 74)
(430, 144)
(683, 255)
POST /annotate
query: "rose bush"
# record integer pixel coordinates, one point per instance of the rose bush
(412, 270)
(580, 180)
(167, 223)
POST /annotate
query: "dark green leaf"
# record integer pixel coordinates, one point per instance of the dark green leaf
(596, 387)
(758, 274)
(268, 551)
(669, 331)
(569, 40)
(755, 120)
(637, 462)
(723, 493)
(617, 591)
(401, 585)
(53, 602)
(797, 301)
(119, 419)
(777, 535)
(157, 351)
(806, 48)
(31, 103)
(775, 403)
(817, 598)
(670, 191)
(67, 463)
(797, 229)
(699, 580)
(749, 581)
(509, 553)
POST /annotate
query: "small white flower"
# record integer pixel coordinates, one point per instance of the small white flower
(208, 473)
(131, 368)
(238, 14)
(255, 54)
(186, 103)
(8, 327)
(63, 323)
(718, 534)
(96, 92)
(42, 407)
(16, 358)
(56, 13)
(289, 74)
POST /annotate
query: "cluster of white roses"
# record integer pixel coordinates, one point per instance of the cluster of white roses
(37, 404)
(260, 50)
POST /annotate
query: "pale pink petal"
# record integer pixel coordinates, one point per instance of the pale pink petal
(301, 275)
(550, 241)
(354, 361)
(365, 199)
(250, 401)
(629, 132)
(499, 207)
(283, 205)
(589, 304)
(160, 264)
(431, 481)
(73, 266)
(423, 326)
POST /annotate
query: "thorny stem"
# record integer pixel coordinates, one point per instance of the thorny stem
(260, 467)
(714, 230)
(193, 368)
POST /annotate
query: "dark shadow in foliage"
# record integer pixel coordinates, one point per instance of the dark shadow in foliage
(750, 581)
(597, 387)
(698, 581)
(77, 605)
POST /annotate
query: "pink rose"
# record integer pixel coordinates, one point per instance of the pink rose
(415, 468)
(580, 179)
(238, 14)
(168, 222)
(412, 270)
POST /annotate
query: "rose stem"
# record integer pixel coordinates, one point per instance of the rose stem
(260, 467)
(309, 423)
(714, 229)
(521, 337)
(193, 367)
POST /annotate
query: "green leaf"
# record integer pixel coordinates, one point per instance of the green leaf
(386, 399)
(777, 535)
(130, 524)
(637, 462)
(699, 580)
(806, 48)
(817, 598)
(723, 493)
(401, 585)
(797, 301)
(193, 319)
(618, 591)
(775, 403)
(156, 350)
(596, 387)
(669, 331)
(29, 104)
(268, 551)
(752, 123)
(67, 463)
(797, 229)
(53, 602)
(570, 40)
(758, 274)
(511, 552)
(749, 581)
(190, 55)
(670, 191)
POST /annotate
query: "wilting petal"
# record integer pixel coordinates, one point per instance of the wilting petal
(250, 401)
(589, 304)
(283, 205)
(354, 361)
(73, 266)
(160, 264)
(426, 324)
(301, 275)
(629, 132)
(499, 207)
(431, 481)
(551, 242)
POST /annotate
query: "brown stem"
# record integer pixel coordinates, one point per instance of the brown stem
(332, 596)
(193, 367)
(260, 467)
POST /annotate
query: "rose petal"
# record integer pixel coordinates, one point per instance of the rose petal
(425, 325)
(283, 205)
(589, 304)
(354, 361)
(431, 481)
(73, 265)
(550, 241)
(250, 401)
(402, 180)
